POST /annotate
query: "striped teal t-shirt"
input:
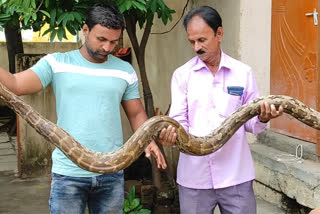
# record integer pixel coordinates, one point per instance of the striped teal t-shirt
(88, 97)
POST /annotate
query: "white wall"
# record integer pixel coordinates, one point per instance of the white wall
(255, 40)
(229, 12)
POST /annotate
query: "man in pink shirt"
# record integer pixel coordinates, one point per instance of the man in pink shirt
(205, 91)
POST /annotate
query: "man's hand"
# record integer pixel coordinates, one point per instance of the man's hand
(168, 136)
(269, 112)
(153, 149)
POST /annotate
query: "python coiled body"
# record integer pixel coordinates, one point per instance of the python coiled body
(114, 161)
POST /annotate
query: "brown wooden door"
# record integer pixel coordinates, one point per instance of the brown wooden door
(294, 62)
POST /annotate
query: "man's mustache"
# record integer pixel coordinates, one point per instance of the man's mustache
(200, 52)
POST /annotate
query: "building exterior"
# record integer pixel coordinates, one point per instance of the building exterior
(279, 40)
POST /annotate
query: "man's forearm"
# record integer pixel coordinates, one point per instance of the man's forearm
(8, 80)
(139, 119)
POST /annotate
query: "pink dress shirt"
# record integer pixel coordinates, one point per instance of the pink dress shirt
(200, 103)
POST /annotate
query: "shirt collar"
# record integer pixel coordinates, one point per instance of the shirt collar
(199, 64)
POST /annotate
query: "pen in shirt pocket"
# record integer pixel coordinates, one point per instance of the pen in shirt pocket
(235, 90)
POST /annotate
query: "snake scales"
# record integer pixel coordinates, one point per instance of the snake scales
(134, 147)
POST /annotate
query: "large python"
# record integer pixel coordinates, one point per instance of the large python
(134, 147)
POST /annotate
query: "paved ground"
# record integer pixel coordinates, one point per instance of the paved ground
(30, 196)
(23, 196)
(17, 196)
(8, 157)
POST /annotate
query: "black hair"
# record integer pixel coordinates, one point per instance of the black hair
(208, 14)
(106, 15)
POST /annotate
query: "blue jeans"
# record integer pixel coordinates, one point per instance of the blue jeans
(103, 194)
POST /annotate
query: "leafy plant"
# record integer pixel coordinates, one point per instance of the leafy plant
(132, 205)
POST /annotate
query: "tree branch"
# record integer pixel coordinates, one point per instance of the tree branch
(131, 30)
(145, 36)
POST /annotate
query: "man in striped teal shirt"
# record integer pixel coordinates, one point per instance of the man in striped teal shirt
(89, 85)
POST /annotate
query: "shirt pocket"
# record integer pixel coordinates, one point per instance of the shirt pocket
(227, 104)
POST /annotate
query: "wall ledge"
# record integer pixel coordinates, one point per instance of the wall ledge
(278, 170)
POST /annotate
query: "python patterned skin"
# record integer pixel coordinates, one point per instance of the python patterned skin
(134, 147)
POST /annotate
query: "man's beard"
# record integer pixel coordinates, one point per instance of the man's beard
(97, 55)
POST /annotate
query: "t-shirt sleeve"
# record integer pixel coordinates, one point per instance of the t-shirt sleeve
(43, 70)
(132, 90)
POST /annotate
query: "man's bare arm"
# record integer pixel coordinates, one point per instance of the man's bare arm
(22, 83)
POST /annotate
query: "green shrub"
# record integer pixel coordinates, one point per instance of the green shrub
(132, 205)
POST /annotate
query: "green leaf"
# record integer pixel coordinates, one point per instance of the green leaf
(164, 19)
(47, 31)
(53, 35)
(126, 207)
(61, 32)
(65, 20)
(128, 5)
(10, 3)
(77, 16)
(53, 17)
(83, 16)
(135, 203)
(132, 205)
(71, 29)
(161, 4)
(138, 207)
(5, 16)
(139, 6)
(170, 17)
(65, 33)
(70, 17)
(142, 2)
(26, 4)
(61, 18)
(144, 211)
(154, 6)
(33, 4)
(45, 13)
(132, 194)
(122, 8)
(34, 16)
(46, 3)
(120, 3)
(26, 19)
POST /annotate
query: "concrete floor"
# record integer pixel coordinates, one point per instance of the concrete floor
(30, 196)
(23, 196)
